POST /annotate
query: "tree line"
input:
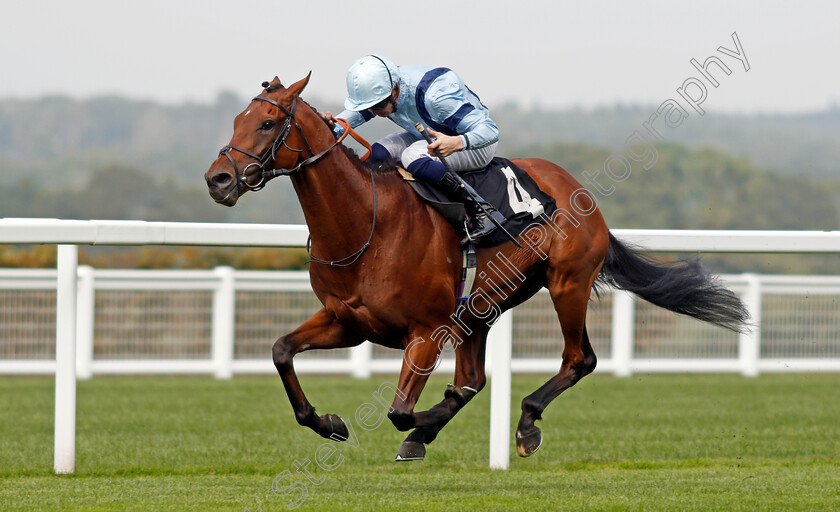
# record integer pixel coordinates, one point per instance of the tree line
(63, 140)
(114, 159)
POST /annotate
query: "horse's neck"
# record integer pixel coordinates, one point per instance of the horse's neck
(337, 201)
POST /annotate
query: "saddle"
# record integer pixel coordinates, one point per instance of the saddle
(504, 185)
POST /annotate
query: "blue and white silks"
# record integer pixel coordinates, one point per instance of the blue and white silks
(438, 98)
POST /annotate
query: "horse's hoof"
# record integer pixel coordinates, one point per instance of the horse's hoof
(529, 443)
(410, 450)
(337, 428)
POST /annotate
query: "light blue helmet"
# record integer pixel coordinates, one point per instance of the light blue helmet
(369, 81)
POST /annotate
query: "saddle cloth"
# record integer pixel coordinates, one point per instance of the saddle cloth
(504, 185)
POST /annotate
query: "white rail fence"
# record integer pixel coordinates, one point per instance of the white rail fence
(223, 322)
(68, 234)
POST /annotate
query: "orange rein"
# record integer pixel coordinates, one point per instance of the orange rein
(350, 131)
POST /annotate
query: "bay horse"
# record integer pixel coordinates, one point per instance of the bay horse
(386, 266)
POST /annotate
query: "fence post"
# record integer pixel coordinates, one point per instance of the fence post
(749, 343)
(500, 341)
(623, 326)
(360, 357)
(84, 322)
(65, 359)
(224, 317)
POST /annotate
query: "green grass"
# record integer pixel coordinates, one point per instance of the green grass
(644, 443)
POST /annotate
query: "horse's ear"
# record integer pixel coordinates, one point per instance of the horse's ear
(297, 87)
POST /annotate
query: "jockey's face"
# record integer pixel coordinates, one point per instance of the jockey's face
(387, 106)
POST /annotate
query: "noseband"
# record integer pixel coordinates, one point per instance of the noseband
(269, 154)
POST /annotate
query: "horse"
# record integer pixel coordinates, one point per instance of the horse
(385, 267)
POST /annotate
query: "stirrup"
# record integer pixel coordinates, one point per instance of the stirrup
(468, 239)
(473, 237)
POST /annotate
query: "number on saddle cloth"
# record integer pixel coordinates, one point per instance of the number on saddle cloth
(504, 185)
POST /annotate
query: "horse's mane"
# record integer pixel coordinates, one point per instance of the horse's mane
(384, 166)
(388, 166)
(269, 87)
(381, 167)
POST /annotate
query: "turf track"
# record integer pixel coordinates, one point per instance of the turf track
(643, 443)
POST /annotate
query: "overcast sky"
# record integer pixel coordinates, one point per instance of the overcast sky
(545, 53)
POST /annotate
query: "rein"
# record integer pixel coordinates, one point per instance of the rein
(349, 260)
(270, 155)
(273, 173)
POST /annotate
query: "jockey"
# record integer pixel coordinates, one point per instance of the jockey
(438, 98)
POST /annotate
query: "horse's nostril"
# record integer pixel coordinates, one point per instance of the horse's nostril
(221, 180)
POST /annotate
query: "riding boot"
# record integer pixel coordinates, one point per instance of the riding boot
(475, 205)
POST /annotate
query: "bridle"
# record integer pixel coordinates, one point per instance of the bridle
(270, 154)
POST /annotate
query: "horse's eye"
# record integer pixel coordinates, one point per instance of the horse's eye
(267, 125)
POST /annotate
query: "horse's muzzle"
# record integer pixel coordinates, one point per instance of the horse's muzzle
(222, 187)
(228, 199)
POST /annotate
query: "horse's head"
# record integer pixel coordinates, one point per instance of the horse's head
(266, 136)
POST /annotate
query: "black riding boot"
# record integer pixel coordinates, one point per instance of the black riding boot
(459, 190)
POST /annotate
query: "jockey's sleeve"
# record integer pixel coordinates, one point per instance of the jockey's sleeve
(354, 118)
(453, 105)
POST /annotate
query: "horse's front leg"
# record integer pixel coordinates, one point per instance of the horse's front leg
(421, 357)
(469, 380)
(322, 331)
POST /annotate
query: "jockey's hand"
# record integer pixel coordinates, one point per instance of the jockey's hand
(446, 144)
(328, 117)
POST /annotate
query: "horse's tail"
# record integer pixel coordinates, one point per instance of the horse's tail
(684, 287)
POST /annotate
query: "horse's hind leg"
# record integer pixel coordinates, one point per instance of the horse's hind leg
(570, 301)
(321, 331)
(469, 380)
